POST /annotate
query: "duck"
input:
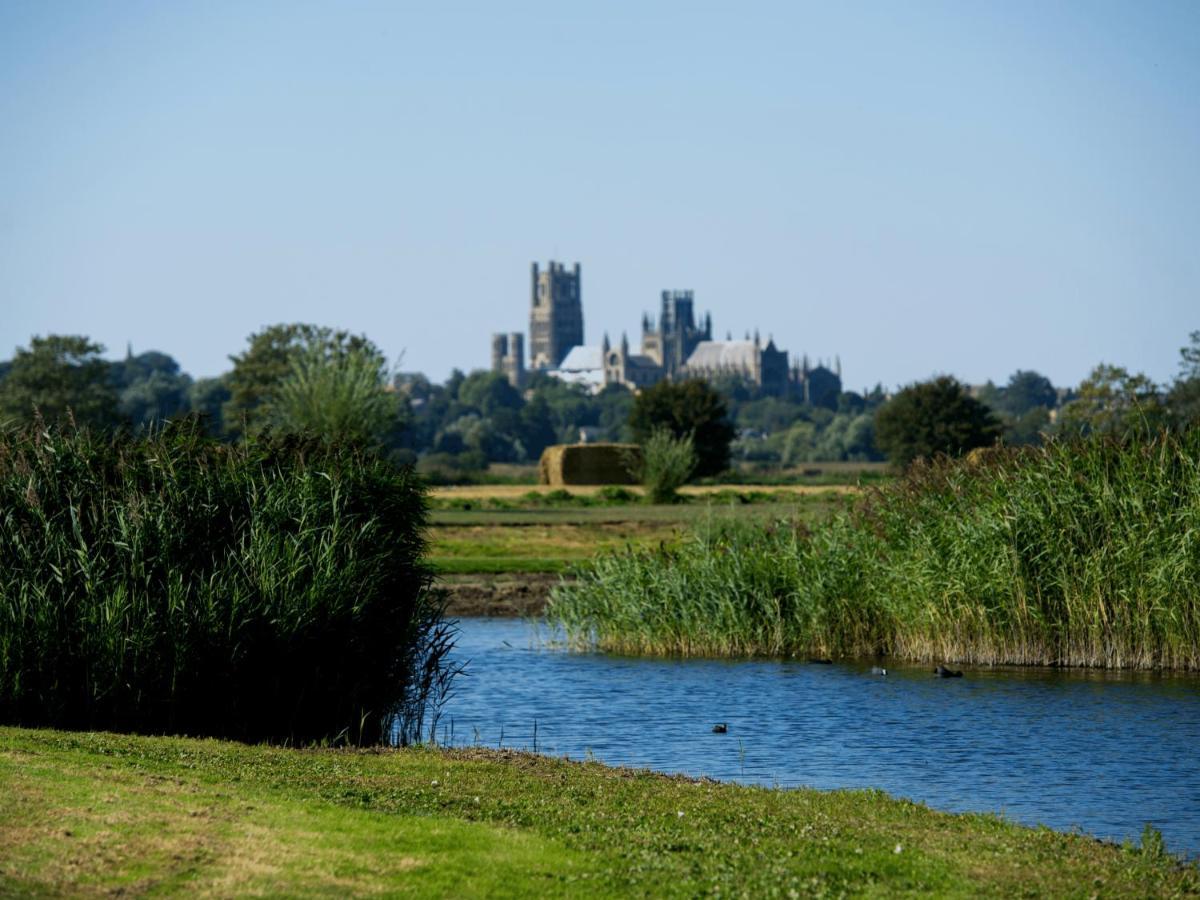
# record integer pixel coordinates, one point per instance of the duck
(878, 670)
(720, 728)
(943, 672)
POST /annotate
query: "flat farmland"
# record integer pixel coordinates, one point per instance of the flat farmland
(546, 540)
(514, 492)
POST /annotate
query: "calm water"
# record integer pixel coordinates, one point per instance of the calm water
(1103, 753)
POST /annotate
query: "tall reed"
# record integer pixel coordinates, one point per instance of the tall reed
(173, 584)
(1079, 554)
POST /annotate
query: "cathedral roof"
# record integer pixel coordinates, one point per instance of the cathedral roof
(723, 355)
(636, 361)
(582, 359)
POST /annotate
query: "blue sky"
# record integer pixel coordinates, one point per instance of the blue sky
(918, 188)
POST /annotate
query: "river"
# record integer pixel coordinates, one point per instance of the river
(1102, 752)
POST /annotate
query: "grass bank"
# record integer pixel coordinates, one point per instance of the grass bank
(551, 538)
(1072, 554)
(274, 590)
(91, 813)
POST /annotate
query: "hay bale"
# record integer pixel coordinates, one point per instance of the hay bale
(588, 464)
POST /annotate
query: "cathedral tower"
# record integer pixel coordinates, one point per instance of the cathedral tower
(555, 314)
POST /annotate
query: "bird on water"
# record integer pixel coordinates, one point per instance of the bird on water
(943, 672)
(720, 728)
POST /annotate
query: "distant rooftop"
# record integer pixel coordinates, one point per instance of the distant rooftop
(582, 359)
(723, 355)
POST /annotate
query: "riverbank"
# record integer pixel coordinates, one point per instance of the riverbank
(1083, 554)
(100, 812)
(519, 594)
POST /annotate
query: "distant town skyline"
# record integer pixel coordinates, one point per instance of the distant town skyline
(938, 187)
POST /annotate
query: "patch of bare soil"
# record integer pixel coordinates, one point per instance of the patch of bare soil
(511, 594)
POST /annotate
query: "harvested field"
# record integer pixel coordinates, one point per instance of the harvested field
(517, 491)
(562, 541)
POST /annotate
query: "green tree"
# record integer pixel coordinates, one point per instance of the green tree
(1184, 397)
(479, 435)
(1027, 390)
(615, 402)
(336, 397)
(800, 443)
(152, 388)
(571, 406)
(488, 392)
(769, 414)
(686, 408)
(258, 372)
(60, 376)
(206, 399)
(537, 426)
(1023, 406)
(1028, 429)
(932, 417)
(1113, 401)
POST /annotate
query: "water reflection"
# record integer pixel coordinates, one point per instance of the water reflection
(1102, 751)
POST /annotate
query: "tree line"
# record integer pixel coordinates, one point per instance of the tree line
(302, 377)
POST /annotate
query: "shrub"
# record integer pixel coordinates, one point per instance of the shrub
(336, 397)
(171, 584)
(666, 464)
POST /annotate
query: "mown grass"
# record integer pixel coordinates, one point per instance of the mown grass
(170, 583)
(91, 813)
(813, 473)
(807, 507)
(509, 497)
(1072, 554)
(551, 539)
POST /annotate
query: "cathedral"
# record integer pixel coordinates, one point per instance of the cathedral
(677, 346)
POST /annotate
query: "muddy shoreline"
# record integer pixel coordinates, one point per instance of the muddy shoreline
(511, 595)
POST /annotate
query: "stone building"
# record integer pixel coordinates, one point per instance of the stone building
(676, 347)
(555, 315)
(818, 385)
(672, 342)
(508, 357)
(764, 367)
(634, 370)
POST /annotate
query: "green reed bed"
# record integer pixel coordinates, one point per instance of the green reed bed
(1084, 554)
(172, 584)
